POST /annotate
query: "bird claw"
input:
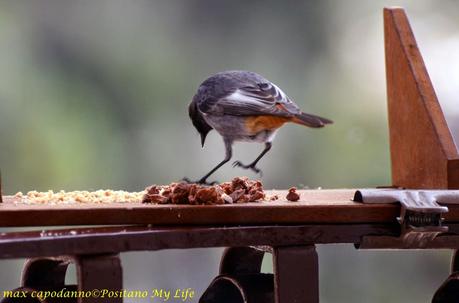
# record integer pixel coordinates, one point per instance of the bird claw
(250, 166)
(187, 180)
(238, 164)
(201, 181)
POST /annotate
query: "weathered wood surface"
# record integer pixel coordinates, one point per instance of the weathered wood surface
(315, 207)
(423, 152)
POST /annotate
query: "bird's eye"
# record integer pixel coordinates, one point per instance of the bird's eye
(263, 85)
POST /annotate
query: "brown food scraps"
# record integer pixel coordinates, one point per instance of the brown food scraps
(239, 190)
(293, 195)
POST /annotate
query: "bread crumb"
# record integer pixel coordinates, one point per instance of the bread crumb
(71, 197)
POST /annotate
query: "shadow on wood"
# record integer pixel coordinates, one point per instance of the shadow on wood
(423, 153)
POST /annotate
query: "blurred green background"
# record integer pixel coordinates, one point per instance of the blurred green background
(94, 94)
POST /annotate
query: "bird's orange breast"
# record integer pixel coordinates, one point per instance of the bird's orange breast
(256, 124)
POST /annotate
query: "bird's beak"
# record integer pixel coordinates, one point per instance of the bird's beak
(203, 138)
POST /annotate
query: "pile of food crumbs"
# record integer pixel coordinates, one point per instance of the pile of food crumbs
(239, 190)
(63, 197)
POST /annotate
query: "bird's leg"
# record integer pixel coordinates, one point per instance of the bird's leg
(228, 155)
(252, 165)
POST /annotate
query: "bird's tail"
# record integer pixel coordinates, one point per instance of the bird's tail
(310, 120)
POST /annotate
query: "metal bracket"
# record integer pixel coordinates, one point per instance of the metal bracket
(421, 215)
(295, 276)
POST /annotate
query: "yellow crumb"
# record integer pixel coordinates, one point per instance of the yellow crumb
(63, 197)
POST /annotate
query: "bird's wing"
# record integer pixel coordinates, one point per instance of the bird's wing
(255, 99)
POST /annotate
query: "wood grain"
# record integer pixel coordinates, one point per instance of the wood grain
(315, 206)
(423, 153)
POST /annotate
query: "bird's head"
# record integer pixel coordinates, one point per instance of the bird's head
(198, 121)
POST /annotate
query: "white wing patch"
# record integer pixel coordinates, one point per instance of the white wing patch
(255, 100)
(243, 97)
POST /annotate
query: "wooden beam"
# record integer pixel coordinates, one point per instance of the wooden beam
(116, 239)
(314, 206)
(423, 152)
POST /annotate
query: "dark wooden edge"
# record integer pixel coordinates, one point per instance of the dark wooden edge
(106, 240)
(139, 238)
(205, 215)
(212, 215)
(453, 173)
(1, 190)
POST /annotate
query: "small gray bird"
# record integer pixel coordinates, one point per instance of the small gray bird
(244, 106)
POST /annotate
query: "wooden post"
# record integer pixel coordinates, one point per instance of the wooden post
(99, 272)
(296, 274)
(423, 153)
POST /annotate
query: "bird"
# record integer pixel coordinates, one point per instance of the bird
(244, 106)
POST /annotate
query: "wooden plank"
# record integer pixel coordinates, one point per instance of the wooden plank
(423, 153)
(315, 206)
(117, 239)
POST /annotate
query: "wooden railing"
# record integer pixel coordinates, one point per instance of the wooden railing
(423, 156)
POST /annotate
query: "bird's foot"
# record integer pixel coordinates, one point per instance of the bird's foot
(201, 181)
(250, 166)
